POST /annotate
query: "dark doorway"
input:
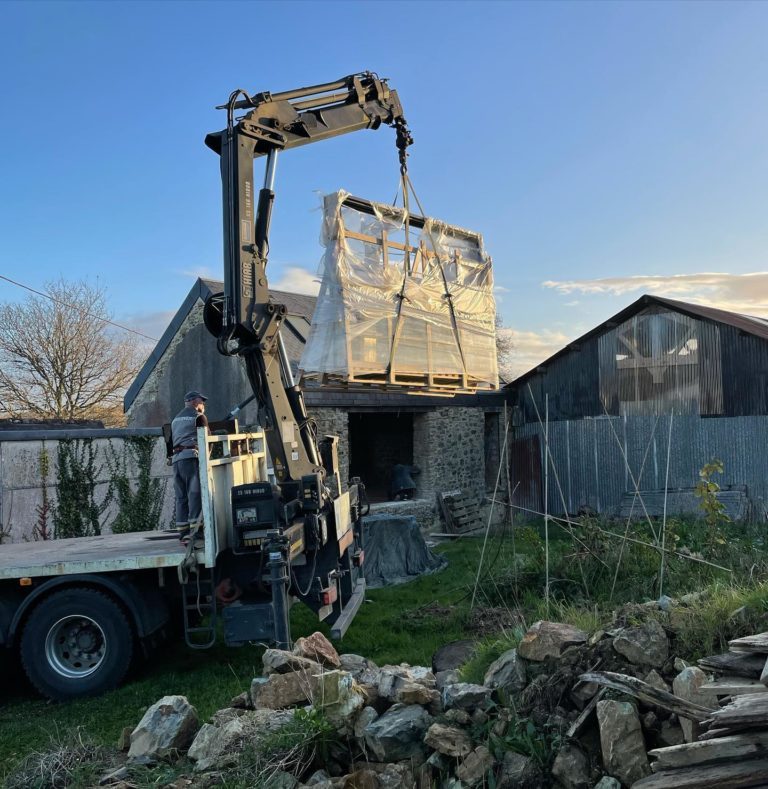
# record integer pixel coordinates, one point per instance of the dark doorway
(525, 473)
(376, 442)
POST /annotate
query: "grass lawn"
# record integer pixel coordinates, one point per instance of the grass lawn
(388, 628)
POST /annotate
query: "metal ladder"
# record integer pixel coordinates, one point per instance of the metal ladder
(198, 595)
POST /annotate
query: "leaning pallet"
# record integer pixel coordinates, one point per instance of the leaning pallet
(460, 511)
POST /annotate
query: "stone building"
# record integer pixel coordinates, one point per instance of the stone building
(455, 441)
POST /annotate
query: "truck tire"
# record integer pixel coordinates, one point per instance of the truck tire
(76, 642)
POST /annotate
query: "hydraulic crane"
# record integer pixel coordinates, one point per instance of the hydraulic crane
(312, 536)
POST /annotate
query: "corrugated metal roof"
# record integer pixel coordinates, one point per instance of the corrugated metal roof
(746, 323)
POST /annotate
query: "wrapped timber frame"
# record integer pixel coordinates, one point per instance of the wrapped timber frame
(401, 304)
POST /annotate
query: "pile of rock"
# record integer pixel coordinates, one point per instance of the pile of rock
(418, 727)
(729, 742)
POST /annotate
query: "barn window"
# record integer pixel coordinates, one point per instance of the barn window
(660, 360)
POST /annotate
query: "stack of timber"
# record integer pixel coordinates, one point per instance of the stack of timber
(460, 511)
(732, 748)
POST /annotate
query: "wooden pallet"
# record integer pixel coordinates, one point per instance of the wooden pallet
(424, 384)
(459, 511)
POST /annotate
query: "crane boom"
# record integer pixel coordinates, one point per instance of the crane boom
(244, 319)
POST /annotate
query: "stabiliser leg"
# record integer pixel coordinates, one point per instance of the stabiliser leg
(277, 550)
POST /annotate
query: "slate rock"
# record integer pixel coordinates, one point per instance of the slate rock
(413, 693)
(220, 717)
(279, 691)
(519, 772)
(607, 782)
(392, 678)
(548, 640)
(340, 698)
(318, 777)
(204, 747)
(280, 661)
(448, 740)
(458, 717)
(686, 685)
(168, 726)
(622, 742)
(318, 648)
(360, 779)
(443, 678)
(366, 716)
(474, 769)
(506, 673)
(571, 767)
(356, 665)
(655, 679)
(644, 645)
(465, 695)
(453, 655)
(396, 776)
(398, 733)
(669, 734)
(242, 702)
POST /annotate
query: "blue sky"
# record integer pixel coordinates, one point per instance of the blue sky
(603, 149)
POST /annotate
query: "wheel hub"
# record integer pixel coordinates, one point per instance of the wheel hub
(75, 646)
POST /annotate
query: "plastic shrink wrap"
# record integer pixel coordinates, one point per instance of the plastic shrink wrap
(423, 320)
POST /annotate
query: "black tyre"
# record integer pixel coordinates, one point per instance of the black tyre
(77, 642)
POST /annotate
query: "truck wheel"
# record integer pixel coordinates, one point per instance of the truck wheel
(77, 642)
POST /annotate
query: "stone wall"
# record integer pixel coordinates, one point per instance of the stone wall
(22, 483)
(335, 422)
(424, 510)
(448, 447)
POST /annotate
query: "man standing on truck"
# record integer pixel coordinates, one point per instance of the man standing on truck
(186, 478)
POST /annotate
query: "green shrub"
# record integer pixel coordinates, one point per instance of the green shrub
(140, 500)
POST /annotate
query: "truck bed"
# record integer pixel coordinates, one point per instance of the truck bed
(106, 553)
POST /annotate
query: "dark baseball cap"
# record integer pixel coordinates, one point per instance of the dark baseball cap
(193, 395)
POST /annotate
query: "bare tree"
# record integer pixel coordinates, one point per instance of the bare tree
(60, 359)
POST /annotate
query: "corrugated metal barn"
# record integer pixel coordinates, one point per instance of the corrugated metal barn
(661, 379)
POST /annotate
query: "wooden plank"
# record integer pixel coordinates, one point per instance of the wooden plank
(737, 746)
(756, 643)
(739, 775)
(578, 725)
(734, 686)
(642, 690)
(744, 711)
(764, 673)
(742, 665)
(377, 241)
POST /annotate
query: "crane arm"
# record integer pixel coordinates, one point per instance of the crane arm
(244, 319)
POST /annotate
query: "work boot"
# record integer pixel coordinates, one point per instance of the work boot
(194, 533)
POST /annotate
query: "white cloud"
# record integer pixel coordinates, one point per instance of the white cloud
(153, 324)
(204, 272)
(530, 348)
(745, 293)
(295, 279)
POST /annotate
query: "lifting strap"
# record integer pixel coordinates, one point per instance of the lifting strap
(407, 187)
